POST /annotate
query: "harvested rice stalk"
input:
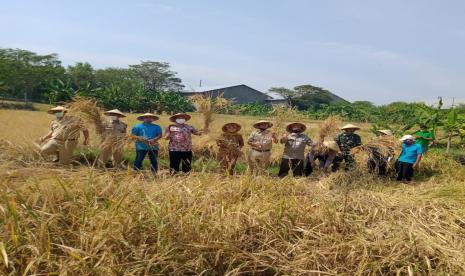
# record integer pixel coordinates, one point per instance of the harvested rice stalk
(283, 114)
(207, 106)
(328, 127)
(384, 145)
(88, 110)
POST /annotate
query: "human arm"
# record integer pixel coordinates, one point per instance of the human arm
(274, 137)
(284, 139)
(85, 132)
(417, 162)
(46, 137)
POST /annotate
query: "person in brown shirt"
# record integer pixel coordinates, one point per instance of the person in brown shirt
(260, 142)
(112, 139)
(64, 136)
(229, 144)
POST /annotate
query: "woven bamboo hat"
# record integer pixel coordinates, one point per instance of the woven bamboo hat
(387, 132)
(57, 109)
(270, 124)
(141, 117)
(350, 126)
(180, 115)
(331, 145)
(114, 111)
(289, 126)
(238, 126)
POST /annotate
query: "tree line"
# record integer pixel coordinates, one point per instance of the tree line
(149, 85)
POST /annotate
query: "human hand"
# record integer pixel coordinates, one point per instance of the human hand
(416, 165)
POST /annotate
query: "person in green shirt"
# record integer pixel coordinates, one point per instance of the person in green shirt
(424, 137)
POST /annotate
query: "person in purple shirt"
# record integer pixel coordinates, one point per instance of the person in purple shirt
(147, 135)
(409, 158)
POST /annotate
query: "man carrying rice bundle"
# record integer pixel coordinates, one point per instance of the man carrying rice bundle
(378, 160)
(346, 141)
(147, 135)
(261, 141)
(229, 144)
(114, 131)
(179, 135)
(63, 136)
(325, 155)
(294, 142)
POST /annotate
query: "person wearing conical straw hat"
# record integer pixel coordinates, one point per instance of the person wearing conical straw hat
(346, 141)
(409, 158)
(325, 152)
(260, 141)
(63, 135)
(229, 144)
(179, 135)
(146, 135)
(378, 161)
(295, 141)
(114, 131)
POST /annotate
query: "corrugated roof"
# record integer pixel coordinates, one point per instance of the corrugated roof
(273, 95)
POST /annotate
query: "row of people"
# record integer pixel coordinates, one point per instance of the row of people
(62, 140)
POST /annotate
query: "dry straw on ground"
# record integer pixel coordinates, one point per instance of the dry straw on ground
(83, 221)
(88, 222)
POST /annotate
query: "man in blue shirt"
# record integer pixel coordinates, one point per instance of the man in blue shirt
(409, 158)
(147, 135)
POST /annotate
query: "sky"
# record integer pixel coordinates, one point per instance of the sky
(379, 51)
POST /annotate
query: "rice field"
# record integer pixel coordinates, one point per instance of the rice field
(88, 221)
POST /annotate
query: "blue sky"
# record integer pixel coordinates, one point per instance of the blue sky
(381, 51)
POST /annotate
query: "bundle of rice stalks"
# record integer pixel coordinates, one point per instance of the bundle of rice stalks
(384, 145)
(89, 111)
(283, 114)
(207, 106)
(228, 147)
(328, 127)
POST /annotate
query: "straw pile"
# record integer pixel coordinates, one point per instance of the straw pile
(207, 106)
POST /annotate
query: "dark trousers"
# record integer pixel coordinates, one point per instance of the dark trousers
(140, 156)
(347, 158)
(378, 166)
(321, 160)
(404, 171)
(181, 159)
(296, 165)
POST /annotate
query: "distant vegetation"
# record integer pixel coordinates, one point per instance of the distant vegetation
(152, 85)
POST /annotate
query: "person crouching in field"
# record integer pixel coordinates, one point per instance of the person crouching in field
(146, 135)
(347, 140)
(229, 144)
(261, 141)
(114, 131)
(325, 153)
(63, 136)
(378, 161)
(179, 135)
(409, 158)
(294, 142)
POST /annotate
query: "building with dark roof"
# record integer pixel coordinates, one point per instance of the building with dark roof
(239, 94)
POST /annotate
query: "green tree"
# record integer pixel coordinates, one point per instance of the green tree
(157, 76)
(27, 74)
(81, 75)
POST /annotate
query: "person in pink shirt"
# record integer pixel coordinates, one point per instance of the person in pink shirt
(179, 135)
